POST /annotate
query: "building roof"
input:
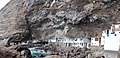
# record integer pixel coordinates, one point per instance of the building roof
(116, 23)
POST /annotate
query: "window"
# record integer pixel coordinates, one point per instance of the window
(85, 44)
(74, 43)
(113, 26)
(80, 39)
(107, 35)
(81, 44)
(96, 39)
(99, 40)
(113, 32)
(107, 31)
(103, 36)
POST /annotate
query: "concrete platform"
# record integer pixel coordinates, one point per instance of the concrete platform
(110, 54)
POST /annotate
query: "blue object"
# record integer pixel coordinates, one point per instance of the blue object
(37, 52)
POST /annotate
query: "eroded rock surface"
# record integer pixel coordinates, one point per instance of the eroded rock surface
(41, 18)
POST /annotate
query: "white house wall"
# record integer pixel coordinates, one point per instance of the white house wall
(104, 34)
(102, 40)
(118, 36)
(94, 43)
(52, 40)
(115, 26)
(77, 43)
(111, 43)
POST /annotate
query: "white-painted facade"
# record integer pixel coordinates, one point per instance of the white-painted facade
(103, 38)
(76, 42)
(111, 38)
(52, 40)
(95, 42)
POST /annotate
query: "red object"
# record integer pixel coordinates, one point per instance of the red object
(89, 45)
(96, 39)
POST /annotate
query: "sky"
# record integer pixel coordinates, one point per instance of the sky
(3, 3)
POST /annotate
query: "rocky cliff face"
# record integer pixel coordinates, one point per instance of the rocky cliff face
(41, 18)
(12, 18)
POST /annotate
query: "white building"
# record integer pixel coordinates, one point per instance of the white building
(95, 41)
(78, 42)
(111, 38)
(103, 38)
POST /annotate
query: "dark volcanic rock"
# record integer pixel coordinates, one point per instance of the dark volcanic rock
(12, 19)
(42, 17)
(6, 54)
